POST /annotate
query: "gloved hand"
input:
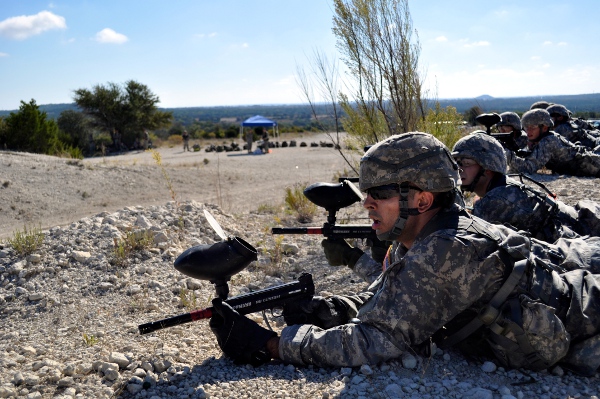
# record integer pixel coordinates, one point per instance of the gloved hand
(239, 338)
(379, 249)
(318, 311)
(338, 252)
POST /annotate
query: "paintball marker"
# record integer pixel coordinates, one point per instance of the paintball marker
(332, 197)
(217, 263)
(506, 139)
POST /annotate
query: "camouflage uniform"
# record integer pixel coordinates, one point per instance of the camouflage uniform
(552, 151)
(512, 119)
(445, 276)
(572, 131)
(557, 154)
(508, 201)
(454, 268)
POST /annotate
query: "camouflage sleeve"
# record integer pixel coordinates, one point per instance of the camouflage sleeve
(508, 204)
(437, 279)
(539, 157)
(367, 268)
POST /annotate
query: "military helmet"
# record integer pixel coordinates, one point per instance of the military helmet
(510, 119)
(540, 105)
(414, 157)
(484, 149)
(536, 117)
(559, 109)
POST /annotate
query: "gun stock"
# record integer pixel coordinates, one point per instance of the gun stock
(269, 298)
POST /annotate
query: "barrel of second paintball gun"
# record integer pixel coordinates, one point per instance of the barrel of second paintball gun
(251, 302)
(176, 320)
(297, 230)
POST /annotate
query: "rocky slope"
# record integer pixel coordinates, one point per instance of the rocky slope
(70, 310)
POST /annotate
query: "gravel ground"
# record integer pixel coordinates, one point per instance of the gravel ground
(69, 311)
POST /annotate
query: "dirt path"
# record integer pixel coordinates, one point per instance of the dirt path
(48, 191)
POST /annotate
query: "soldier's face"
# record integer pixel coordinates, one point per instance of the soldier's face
(533, 132)
(383, 212)
(468, 170)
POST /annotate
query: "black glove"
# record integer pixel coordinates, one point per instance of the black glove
(338, 252)
(239, 338)
(318, 311)
(379, 249)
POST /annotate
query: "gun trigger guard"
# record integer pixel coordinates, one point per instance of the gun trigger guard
(277, 311)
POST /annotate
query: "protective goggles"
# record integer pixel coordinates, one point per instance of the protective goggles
(388, 191)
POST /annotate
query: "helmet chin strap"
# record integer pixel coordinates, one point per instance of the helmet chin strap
(471, 187)
(405, 212)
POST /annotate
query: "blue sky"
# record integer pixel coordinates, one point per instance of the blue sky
(232, 52)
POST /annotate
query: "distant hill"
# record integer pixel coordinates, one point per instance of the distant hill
(300, 114)
(575, 103)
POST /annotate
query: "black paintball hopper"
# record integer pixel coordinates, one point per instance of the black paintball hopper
(217, 262)
(332, 195)
(488, 120)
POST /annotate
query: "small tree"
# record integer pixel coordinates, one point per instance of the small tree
(30, 130)
(128, 109)
(76, 126)
(375, 38)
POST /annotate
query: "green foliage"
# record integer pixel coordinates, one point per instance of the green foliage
(188, 299)
(89, 340)
(76, 126)
(27, 241)
(445, 124)
(29, 130)
(132, 242)
(471, 114)
(130, 109)
(297, 202)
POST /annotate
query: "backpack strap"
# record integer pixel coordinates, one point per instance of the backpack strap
(489, 314)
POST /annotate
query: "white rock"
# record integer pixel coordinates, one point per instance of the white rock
(81, 256)
(488, 367)
(119, 358)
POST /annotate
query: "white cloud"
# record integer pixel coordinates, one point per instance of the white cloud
(480, 43)
(547, 43)
(203, 35)
(441, 39)
(561, 43)
(108, 35)
(535, 58)
(245, 45)
(546, 66)
(3, 55)
(24, 26)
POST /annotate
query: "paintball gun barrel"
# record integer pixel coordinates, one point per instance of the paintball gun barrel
(269, 298)
(332, 197)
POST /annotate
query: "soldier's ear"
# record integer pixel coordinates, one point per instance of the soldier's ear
(424, 200)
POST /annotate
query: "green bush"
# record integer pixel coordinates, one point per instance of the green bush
(27, 241)
(297, 202)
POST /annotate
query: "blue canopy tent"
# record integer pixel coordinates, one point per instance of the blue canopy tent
(258, 120)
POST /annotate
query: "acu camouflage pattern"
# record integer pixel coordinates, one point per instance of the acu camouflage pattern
(559, 109)
(537, 117)
(413, 157)
(557, 154)
(511, 119)
(447, 276)
(482, 148)
(540, 105)
(511, 202)
(577, 135)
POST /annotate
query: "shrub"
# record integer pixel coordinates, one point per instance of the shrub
(297, 202)
(132, 242)
(27, 241)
